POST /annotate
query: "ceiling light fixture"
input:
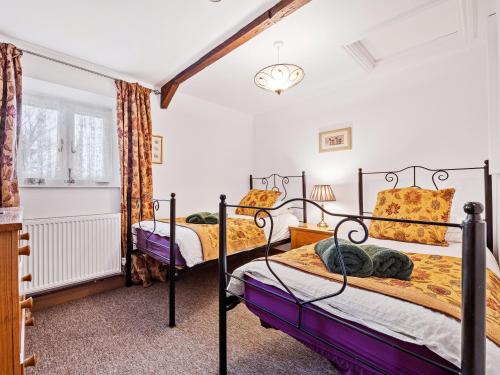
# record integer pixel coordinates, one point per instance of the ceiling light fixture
(279, 77)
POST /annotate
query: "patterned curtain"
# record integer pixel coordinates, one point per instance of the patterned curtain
(10, 122)
(135, 138)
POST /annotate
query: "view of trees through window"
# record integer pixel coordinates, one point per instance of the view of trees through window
(64, 142)
(39, 143)
(88, 148)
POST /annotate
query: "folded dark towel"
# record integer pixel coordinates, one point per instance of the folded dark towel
(356, 260)
(212, 219)
(389, 263)
(197, 218)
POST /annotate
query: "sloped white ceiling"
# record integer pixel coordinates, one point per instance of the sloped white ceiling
(399, 32)
(148, 39)
(333, 40)
(418, 27)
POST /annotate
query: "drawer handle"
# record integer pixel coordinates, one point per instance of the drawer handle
(29, 321)
(25, 250)
(30, 361)
(27, 278)
(25, 236)
(27, 303)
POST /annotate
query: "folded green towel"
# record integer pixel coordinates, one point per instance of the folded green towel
(212, 219)
(197, 218)
(356, 260)
(388, 262)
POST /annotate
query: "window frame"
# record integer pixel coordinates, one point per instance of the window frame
(67, 109)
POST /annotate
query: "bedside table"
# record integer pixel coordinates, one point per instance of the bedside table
(307, 234)
(283, 247)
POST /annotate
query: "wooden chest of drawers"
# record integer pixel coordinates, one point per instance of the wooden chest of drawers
(15, 312)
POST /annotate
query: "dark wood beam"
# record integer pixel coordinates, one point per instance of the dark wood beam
(258, 25)
(168, 91)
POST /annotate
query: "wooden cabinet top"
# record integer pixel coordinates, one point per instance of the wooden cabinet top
(311, 228)
(11, 219)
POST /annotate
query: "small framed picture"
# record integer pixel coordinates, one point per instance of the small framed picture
(335, 140)
(157, 149)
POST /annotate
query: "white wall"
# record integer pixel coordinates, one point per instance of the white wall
(434, 115)
(208, 151)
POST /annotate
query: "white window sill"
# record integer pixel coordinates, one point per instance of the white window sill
(70, 186)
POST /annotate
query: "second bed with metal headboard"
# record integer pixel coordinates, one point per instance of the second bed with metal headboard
(351, 345)
(160, 238)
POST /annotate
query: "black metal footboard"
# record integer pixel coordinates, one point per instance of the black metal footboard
(172, 271)
(473, 284)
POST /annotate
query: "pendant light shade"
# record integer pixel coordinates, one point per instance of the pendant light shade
(279, 77)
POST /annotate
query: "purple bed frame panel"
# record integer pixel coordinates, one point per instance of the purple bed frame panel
(158, 247)
(391, 360)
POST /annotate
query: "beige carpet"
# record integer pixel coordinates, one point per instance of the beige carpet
(124, 332)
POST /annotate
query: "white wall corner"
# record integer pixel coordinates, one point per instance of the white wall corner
(358, 51)
(468, 11)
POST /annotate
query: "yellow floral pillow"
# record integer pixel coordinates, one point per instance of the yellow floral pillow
(412, 204)
(257, 198)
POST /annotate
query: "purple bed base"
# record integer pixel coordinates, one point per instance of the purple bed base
(158, 247)
(389, 359)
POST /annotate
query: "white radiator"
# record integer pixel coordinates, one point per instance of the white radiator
(70, 250)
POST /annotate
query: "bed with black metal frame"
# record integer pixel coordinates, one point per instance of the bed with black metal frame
(165, 249)
(268, 301)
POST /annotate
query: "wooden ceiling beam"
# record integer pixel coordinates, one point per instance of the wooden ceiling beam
(258, 25)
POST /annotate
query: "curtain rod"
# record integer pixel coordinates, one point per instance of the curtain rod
(156, 92)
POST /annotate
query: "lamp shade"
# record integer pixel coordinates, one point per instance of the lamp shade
(279, 77)
(322, 193)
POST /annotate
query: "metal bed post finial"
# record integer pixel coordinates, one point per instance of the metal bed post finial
(171, 266)
(129, 247)
(473, 291)
(222, 287)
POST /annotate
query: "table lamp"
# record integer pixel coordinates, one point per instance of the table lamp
(322, 193)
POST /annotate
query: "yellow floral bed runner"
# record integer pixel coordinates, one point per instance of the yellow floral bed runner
(242, 234)
(435, 283)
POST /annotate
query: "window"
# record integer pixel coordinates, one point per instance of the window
(65, 142)
(88, 148)
(39, 142)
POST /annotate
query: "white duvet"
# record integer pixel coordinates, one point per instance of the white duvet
(400, 319)
(189, 242)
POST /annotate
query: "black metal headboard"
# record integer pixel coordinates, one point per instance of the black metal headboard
(278, 182)
(438, 175)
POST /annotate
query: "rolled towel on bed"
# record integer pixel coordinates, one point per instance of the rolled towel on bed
(197, 218)
(212, 219)
(389, 262)
(357, 262)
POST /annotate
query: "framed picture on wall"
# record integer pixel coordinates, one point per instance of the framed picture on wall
(335, 140)
(157, 149)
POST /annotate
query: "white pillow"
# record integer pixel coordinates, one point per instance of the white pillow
(282, 210)
(454, 234)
